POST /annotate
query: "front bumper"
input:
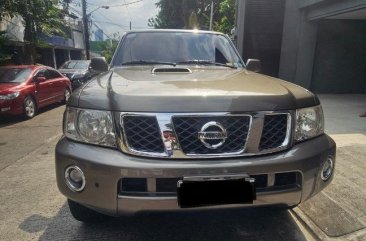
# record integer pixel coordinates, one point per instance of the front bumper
(11, 107)
(104, 168)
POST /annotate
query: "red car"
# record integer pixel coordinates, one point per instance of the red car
(26, 88)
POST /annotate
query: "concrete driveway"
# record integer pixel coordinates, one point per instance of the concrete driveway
(339, 212)
(33, 209)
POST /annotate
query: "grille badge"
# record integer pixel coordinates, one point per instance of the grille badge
(212, 135)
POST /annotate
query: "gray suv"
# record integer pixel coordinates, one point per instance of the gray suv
(178, 121)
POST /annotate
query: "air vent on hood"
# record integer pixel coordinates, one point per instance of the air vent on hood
(167, 70)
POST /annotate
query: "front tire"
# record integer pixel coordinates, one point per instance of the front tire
(84, 214)
(29, 107)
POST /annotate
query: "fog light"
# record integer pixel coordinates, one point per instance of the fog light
(327, 170)
(74, 178)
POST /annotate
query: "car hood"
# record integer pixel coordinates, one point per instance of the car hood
(208, 89)
(7, 88)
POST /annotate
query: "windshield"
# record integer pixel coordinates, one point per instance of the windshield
(14, 75)
(176, 48)
(80, 64)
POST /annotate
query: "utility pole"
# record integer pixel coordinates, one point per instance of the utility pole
(211, 16)
(86, 29)
(130, 25)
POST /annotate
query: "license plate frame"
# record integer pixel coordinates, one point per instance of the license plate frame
(212, 191)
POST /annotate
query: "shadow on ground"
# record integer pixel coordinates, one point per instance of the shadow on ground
(235, 224)
(11, 120)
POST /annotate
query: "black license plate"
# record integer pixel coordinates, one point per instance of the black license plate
(215, 192)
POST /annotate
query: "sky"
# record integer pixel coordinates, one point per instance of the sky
(117, 19)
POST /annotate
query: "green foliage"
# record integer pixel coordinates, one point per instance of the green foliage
(3, 41)
(186, 14)
(39, 17)
(227, 13)
(105, 48)
(189, 14)
(109, 51)
(8, 9)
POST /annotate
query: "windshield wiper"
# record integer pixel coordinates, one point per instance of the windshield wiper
(147, 62)
(206, 62)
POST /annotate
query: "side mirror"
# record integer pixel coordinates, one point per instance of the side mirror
(253, 65)
(99, 64)
(40, 79)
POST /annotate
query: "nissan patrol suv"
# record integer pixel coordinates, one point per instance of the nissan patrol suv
(178, 121)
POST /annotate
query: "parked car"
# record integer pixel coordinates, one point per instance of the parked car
(179, 121)
(78, 71)
(26, 88)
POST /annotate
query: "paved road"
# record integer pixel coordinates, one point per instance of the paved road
(32, 208)
(19, 137)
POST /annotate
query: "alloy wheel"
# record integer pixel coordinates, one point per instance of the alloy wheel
(30, 108)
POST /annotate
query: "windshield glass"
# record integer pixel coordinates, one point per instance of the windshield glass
(14, 75)
(176, 47)
(80, 64)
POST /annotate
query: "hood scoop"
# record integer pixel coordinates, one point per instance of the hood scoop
(171, 70)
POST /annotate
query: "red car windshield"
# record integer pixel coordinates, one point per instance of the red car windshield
(14, 75)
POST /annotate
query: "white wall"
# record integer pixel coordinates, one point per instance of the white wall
(14, 27)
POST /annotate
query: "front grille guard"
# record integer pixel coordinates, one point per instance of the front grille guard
(172, 149)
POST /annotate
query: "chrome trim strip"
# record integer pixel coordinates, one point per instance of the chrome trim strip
(255, 134)
(287, 141)
(171, 142)
(270, 179)
(124, 143)
(151, 184)
(216, 177)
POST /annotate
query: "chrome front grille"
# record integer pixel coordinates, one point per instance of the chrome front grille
(187, 127)
(192, 135)
(274, 131)
(142, 133)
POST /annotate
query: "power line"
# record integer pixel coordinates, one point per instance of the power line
(115, 5)
(105, 16)
(125, 4)
(98, 27)
(120, 25)
(128, 12)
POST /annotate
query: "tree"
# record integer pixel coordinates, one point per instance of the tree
(3, 40)
(39, 17)
(186, 14)
(189, 14)
(7, 9)
(105, 48)
(227, 13)
(109, 50)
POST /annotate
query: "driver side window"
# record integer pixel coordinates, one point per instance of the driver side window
(42, 73)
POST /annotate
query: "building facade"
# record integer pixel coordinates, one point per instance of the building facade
(56, 49)
(99, 35)
(318, 44)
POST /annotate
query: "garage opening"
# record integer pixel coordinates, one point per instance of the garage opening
(340, 56)
(263, 28)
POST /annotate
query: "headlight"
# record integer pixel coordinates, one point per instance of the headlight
(309, 123)
(10, 96)
(90, 126)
